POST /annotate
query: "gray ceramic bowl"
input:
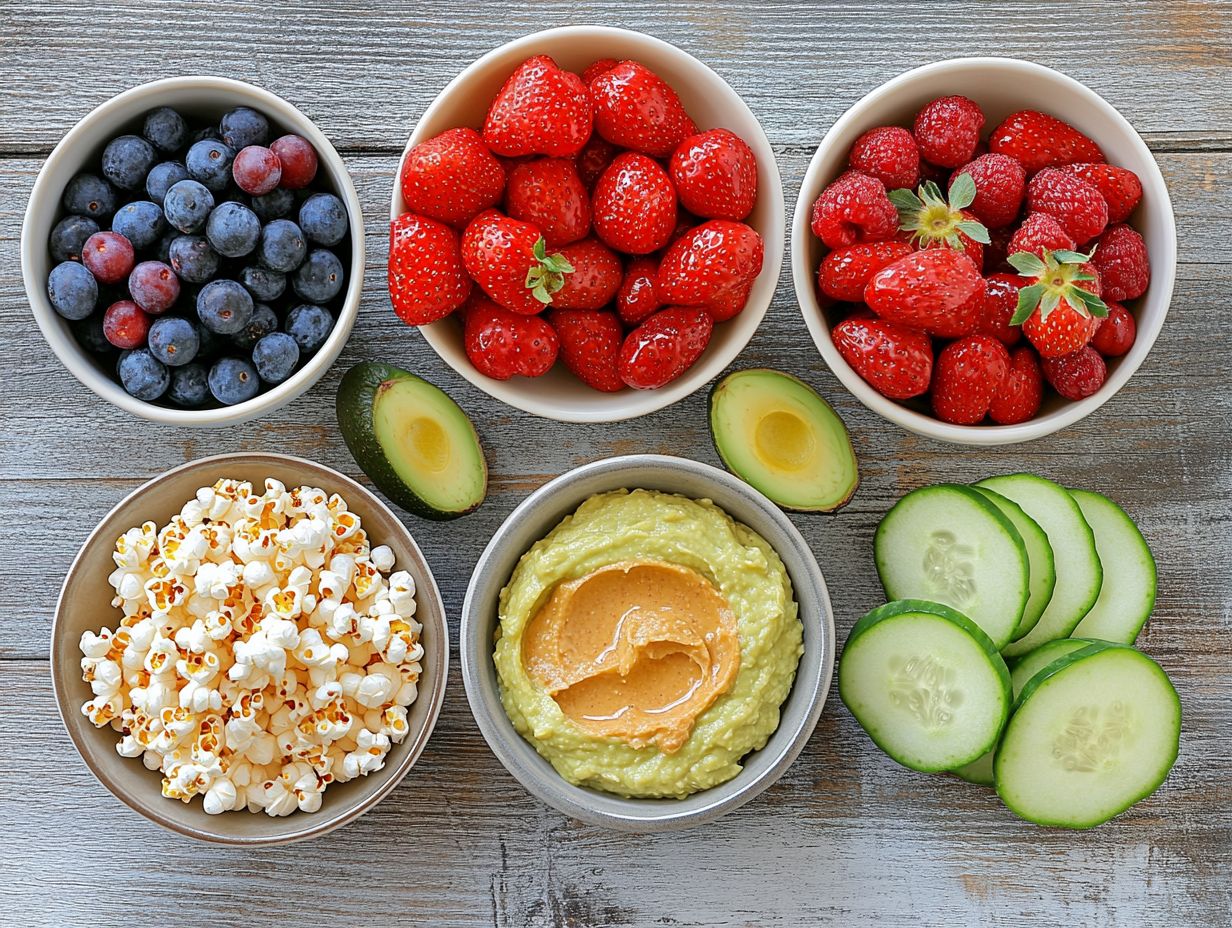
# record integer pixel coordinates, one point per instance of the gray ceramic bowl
(83, 605)
(533, 519)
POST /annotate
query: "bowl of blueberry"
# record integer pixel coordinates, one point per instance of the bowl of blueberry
(193, 251)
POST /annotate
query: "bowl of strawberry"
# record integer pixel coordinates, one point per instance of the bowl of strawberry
(193, 251)
(983, 250)
(586, 224)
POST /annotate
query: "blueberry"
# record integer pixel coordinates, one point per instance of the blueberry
(211, 345)
(162, 177)
(89, 195)
(233, 381)
(263, 283)
(263, 322)
(165, 129)
(209, 162)
(319, 278)
(188, 386)
(323, 219)
(309, 325)
(72, 289)
(173, 340)
(162, 251)
(143, 375)
(127, 160)
(275, 357)
(89, 334)
(233, 230)
(187, 205)
(141, 222)
(192, 259)
(282, 246)
(277, 204)
(69, 235)
(244, 126)
(224, 307)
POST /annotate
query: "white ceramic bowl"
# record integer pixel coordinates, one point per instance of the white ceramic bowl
(713, 104)
(1000, 86)
(535, 517)
(206, 98)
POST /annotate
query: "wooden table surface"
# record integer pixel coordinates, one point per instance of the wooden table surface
(846, 837)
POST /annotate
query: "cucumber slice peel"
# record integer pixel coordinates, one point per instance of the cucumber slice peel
(1039, 557)
(1123, 606)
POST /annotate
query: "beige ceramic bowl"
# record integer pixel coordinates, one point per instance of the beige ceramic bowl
(713, 104)
(84, 605)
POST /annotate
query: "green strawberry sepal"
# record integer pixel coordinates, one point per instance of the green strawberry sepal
(931, 218)
(547, 275)
(1057, 275)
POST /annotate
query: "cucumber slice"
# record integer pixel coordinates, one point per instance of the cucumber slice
(948, 544)
(926, 684)
(1125, 603)
(1039, 557)
(1079, 574)
(1092, 734)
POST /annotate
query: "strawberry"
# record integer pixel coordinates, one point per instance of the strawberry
(636, 109)
(709, 264)
(590, 343)
(501, 343)
(895, 360)
(969, 373)
(1122, 262)
(1073, 202)
(1037, 141)
(1039, 233)
(685, 222)
(634, 205)
(845, 272)
(939, 290)
(1022, 392)
(540, 110)
(548, 193)
(854, 208)
(1000, 303)
(729, 303)
(1116, 334)
(427, 280)
(997, 249)
(593, 160)
(595, 278)
(1076, 376)
(935, 222)
(1000, 185)
(715, 174)
(508, 259)
(452, 177)
(636, 298)
(947, 130)
(664, 346)
(595, 68)
(1119, 187)
(888, 153)
(1060, 307)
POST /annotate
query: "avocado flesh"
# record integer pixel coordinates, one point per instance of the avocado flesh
(775, 433)
(412, 441)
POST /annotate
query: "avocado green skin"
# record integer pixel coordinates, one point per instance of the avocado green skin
(357, 394)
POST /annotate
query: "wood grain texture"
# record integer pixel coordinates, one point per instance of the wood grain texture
(847, 837)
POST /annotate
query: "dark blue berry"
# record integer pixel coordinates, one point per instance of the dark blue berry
(173, 340)
(275, 357)
(233, 380)
(165, 128)
(89, 195)
(143, 375)
(141, 222)
(192, 259)
(187, 205)
(277, 204)
(233, 230)
(210, 163)
(211, 345)
(323, 219)
(319, 278)
(244, 126)
(224, 307)
(162, 251)
(188, 386)
(72, 289)
(127, 160)
(89, 334)
(282, 246)
(69, 235)
(162, 177)
(263, 322)
(309, 325)
(263, 283)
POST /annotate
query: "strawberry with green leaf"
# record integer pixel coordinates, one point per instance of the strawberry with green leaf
(936, 221)
(1060, 311)
(509, 259)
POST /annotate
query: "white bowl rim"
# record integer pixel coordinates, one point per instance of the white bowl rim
(636, 402)
(72, 355)
(985, 435)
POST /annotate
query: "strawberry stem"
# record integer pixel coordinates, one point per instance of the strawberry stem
(1057, 275)
(932, 218)
(547, 275)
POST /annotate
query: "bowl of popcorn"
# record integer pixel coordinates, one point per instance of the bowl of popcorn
(250, 649)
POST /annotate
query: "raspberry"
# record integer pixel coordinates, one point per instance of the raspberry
(888, 153)
(948, 130)
(1119, 187)
(854, 208)
(1115, 335)
(1039, 232)
(1122, 262)
(1000, 184)
(1076, 376)
(1073, 202)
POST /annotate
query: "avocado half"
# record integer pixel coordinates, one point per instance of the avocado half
(776, 434)
(413, 441)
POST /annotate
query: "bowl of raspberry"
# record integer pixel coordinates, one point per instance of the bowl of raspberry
(193, 251)
(587, 224)
(983, 269)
